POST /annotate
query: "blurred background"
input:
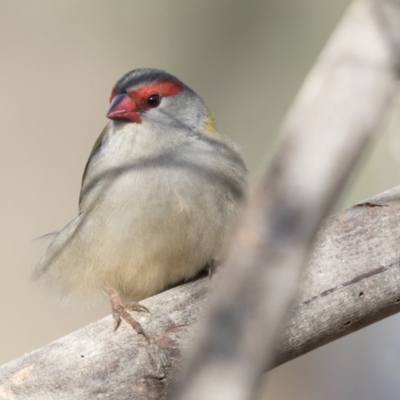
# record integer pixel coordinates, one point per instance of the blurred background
(247, 59)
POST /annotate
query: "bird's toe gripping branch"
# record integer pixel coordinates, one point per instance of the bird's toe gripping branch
(120, 311)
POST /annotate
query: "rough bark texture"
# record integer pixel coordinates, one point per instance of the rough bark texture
(353, 277)
(353, 280)
(95, 363)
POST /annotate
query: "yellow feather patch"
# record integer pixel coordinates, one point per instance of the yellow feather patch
(210, 125)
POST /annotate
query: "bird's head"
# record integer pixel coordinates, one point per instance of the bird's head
(154, 96)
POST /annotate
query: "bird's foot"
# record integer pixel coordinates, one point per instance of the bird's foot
(120, 311)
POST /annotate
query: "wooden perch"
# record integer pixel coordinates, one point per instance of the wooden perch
(353, 280)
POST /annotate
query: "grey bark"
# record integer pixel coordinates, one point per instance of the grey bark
(353, 280)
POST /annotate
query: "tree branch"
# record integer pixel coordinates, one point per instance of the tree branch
(353, 280)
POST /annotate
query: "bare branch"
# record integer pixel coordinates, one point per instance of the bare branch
(353, 280)
(353, 277)
(336, 112)
(94, 362)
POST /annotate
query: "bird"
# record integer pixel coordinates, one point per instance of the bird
(162, 191)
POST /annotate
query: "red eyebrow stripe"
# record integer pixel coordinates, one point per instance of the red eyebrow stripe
(165, 88)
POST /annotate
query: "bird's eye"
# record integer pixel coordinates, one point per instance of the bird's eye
(154, 100)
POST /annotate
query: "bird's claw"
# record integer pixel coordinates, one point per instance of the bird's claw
(134, 306)
(120, 311)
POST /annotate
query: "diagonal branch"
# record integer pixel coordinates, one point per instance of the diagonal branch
(353, 280)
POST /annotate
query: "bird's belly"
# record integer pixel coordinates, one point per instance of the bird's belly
(148, 233)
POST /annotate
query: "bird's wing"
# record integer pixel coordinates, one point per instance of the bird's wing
(95, 149)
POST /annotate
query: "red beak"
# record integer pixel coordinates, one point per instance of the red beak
(124, 108)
